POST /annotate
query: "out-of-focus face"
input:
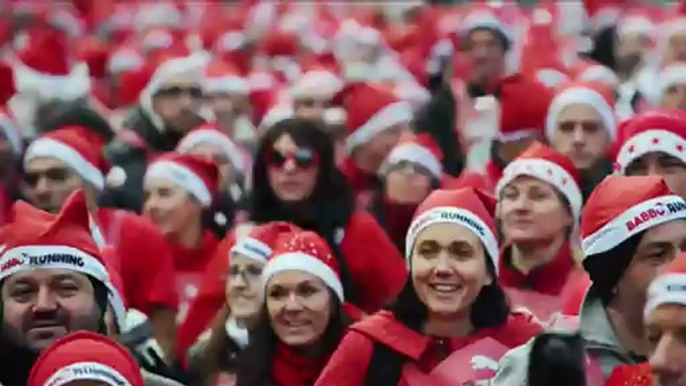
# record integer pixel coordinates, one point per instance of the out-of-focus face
(216, 155)
(43, 305)
(666, 333)
(674, 97)
(243, 287)
(448, 269)
(299, 306)
(48, 182)
(406, 183)
(169, 206)
(531, 211)
(660, 164)
(226, 106)
(312, 107)
(581, 135)
(487, 54)
(630, 50)
(292, 170)
(676, 49)
(178, 101)
(370, 155)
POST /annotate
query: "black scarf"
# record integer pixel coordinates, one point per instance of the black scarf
(15, 363)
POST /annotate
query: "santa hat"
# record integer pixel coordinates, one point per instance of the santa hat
(672, 75)
(305, 251)
(589, 71)
(669, 287)
(317, 82)
(221, 77)
(261, 239)
(37, 239)
(196, 175)
(483, 18)
(421, 150)
(372, 109)
(71, 145)
(276, 113)
(209, 134)
(468, 207)
(658, 131)
(593, 94)
(124, 59)
(85, 356)
(523, 105)
(621, 207)
(545, 164)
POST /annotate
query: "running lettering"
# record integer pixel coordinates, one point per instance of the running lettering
(463, 219)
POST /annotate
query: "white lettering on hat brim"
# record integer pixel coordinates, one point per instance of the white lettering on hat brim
(252, 249)
(452, 215)
(666, 289)
(298, 261)
(634, 220)
(87, 371)
(28, 258)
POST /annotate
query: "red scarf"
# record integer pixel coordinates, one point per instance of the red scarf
(196, 258)
(549, 279)
(291, 369)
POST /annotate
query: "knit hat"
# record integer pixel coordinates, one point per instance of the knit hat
(305, 251)
(545, 164)
(468, 207)
(621, 207)
(593, 94)
(523, 105)
(421, 150)
(196, 175)
(673, 74)
(76, 147)
(38, 239)
(85, 356)
(372, 109)
(209, 134)
(658, 131)
(222, 77)
(669, 287)
(258, 243)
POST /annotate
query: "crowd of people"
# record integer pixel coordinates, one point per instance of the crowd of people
(342, 194)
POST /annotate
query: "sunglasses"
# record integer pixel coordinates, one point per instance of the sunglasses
(52, 174)
(303, 158)
(177, 91)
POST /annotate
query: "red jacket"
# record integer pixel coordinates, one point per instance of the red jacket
(377, 269)
(349, 364)
(486, 181)
(631, 375)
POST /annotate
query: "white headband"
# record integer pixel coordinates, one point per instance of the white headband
(414, 153)
(87, 371)
(666, 289)
(252, 248)
(181, 176)
(45, 147)
(650, 141)
(299, 261)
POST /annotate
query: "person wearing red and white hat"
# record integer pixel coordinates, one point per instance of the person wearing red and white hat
(451, 303)
(581, 124)
(314, 90)
(671, 89)
(539, 207)
(654, 143)
(631, 228)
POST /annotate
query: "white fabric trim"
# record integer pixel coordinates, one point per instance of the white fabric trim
(230, 84)
(299, 261)
(414, 153)
(674, 74)
(316, 83)
(634, 220)
(238, 334)
(453, 215)
(213, 138)
(275, 115)
(483, 19)
(252, 248)
(63, 87)
(546, 171)
(182, 177)
(28, 258)
(388, 116)
(600, 73)
(643, 143)
(45, 147)
(551, 77)
(87, 371)
(517, 135)
(585, 96)
(229, 41)
(666, 289)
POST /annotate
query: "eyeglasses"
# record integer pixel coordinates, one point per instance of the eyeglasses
(249, 272)
(52, 174)
(303, 158)
(176, 91)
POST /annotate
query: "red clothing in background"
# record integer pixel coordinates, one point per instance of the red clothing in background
(291, 369)
(486, 181)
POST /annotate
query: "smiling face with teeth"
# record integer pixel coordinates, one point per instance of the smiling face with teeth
(448, 269)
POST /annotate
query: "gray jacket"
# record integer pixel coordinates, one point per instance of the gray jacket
(599, 338)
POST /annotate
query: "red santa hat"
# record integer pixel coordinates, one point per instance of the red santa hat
(85, 356)
(523, 105)
(261, 239)
(468, 207)
(222, 77)
(669, 287)
(71, 145)
(593, 94)
(196, 175)
(484, 18)
(672, 75)
(421, 150)
(372, 109)
(305, 251)
(657, 131)
(621, 207)
(209, 134)
(317, 81)
(123, 59)
(37, 239)
(545, 164)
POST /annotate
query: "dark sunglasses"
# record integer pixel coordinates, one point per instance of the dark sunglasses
(52, 174)
(303, 158)
(176, 91)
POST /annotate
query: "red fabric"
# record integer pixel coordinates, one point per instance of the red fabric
(144, 259)
(349, 364)
(549, 279)
(631, 375)
(485, 181)
(574, 296)
(397, 218)
(5, 205)
(360, 180)
(291, 369)
(194, 259)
